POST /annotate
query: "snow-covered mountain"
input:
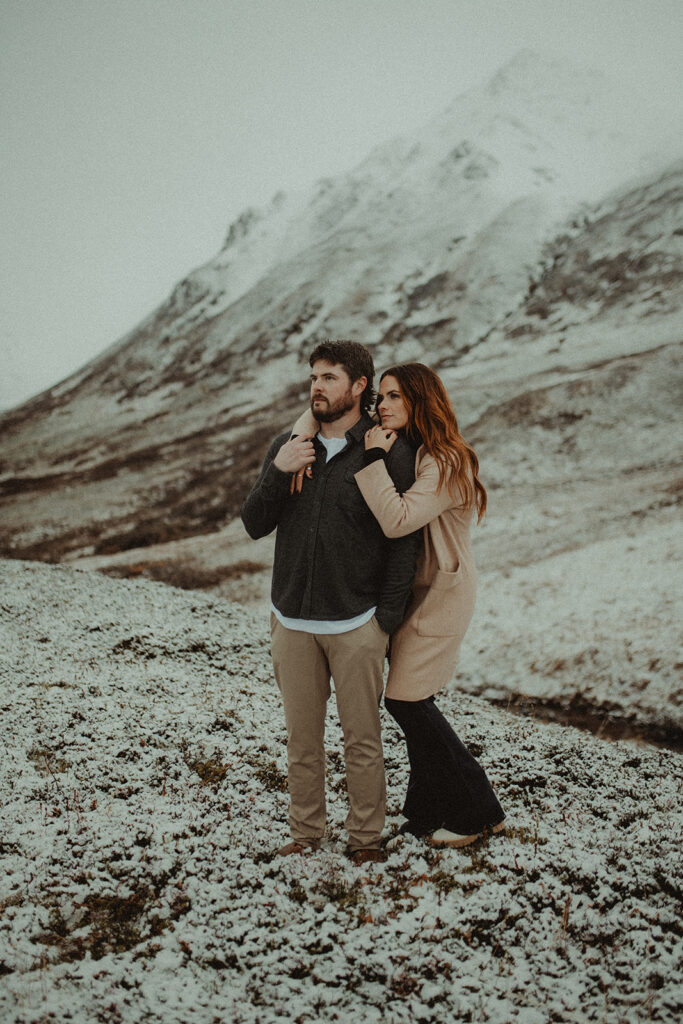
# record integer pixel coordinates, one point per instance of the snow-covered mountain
(426, 250)
(527, 243)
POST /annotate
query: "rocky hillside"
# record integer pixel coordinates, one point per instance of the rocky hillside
(502, 245)
(477, 245)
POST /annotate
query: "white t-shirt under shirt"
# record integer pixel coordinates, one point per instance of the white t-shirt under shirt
(334, 445)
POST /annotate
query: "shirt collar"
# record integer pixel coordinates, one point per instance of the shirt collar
(358, 430)
(356, 433)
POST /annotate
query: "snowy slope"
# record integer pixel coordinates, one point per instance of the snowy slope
(426, 250)
(144, 794)
(523, 245)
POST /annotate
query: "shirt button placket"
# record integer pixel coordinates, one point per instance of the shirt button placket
(320, 480)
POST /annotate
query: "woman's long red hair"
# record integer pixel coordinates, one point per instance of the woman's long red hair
(432, 422)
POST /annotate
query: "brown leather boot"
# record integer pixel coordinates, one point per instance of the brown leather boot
(368, 855)
(299, 846)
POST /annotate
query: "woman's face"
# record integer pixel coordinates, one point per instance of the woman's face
(391, 406)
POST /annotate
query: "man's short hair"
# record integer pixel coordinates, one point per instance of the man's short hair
(355, 359)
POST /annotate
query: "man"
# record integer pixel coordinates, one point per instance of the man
(339, 589)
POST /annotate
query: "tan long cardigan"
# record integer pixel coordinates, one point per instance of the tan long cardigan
(425, 648)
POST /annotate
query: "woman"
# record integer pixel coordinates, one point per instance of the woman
(449, 798)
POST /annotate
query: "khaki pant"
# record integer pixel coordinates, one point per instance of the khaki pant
(303, 664)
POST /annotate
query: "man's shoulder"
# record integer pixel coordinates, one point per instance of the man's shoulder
(401, 463)
(278, 442)
(402, 452)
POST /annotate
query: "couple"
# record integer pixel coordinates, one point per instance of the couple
(373, 543)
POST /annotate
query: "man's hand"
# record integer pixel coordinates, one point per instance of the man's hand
(380, 437)
(297, 453)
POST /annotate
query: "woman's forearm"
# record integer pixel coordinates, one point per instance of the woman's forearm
(401, 514)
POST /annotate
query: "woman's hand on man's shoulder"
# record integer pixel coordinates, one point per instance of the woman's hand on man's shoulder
(380, 437)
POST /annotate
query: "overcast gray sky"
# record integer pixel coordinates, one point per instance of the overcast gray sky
(133, 131)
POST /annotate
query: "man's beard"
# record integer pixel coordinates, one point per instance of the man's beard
(328, 413)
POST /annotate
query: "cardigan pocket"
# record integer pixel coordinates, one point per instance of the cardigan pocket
(441, 608)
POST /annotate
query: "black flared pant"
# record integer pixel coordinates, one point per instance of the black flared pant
(448, 788)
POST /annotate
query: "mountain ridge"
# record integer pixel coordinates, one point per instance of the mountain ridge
(431, 248)
(539, 271)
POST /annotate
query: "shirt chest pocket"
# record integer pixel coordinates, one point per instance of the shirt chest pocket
(350, 497)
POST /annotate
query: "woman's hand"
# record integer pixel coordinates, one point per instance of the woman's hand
(295, 454)
(380, 437)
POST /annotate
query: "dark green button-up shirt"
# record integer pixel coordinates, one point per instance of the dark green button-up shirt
(332, 561)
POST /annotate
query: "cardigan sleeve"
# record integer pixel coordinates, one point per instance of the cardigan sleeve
(400, 514)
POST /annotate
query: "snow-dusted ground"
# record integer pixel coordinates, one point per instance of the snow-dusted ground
(589, 631)
(598, 625)
(144, 792)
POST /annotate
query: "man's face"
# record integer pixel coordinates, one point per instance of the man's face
(332, 393)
